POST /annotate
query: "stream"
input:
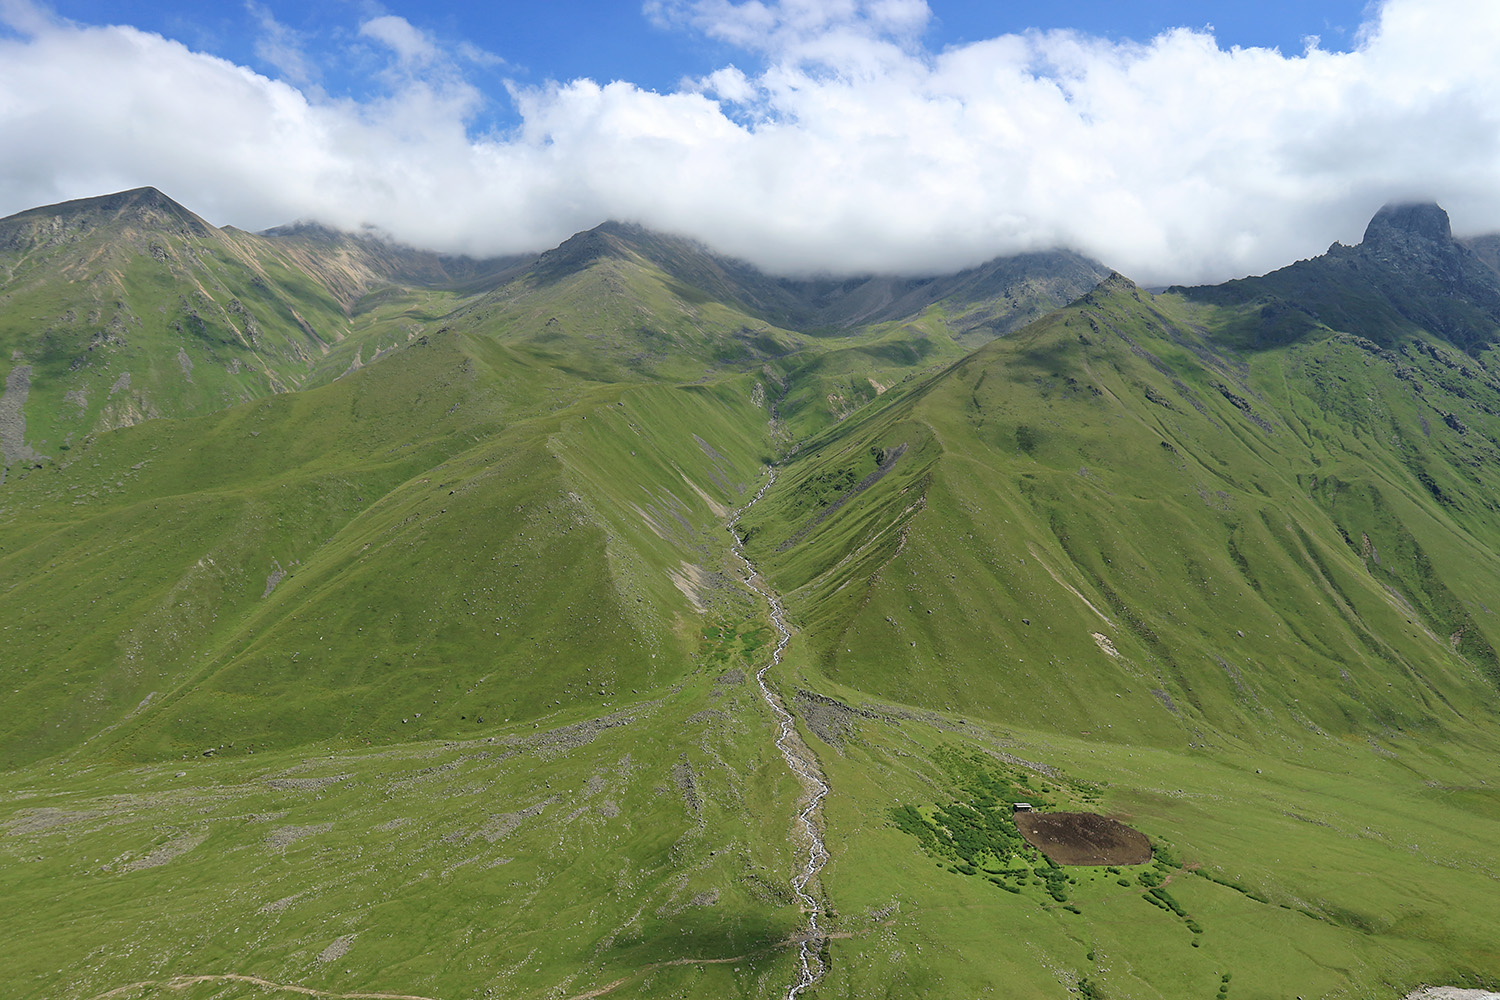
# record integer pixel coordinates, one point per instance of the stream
(798, 758)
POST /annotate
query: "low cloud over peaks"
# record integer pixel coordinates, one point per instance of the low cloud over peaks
(850, 148)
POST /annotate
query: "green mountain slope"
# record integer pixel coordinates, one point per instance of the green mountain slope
(1108, 503)
(118, 309)
(433, 675)
(1118, 533)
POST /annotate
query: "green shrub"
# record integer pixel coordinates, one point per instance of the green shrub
(1169, 902)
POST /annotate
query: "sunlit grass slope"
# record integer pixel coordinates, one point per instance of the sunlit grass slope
(119, 309)
(336, 561)
(1105, 523)
(645, 848)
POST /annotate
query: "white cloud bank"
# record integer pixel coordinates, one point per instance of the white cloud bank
(854, 149)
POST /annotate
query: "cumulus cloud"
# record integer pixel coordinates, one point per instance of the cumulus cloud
(849, 148)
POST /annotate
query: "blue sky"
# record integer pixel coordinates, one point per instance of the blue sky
(1174, 141)
(605, 41)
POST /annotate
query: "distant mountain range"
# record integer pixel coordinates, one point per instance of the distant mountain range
(130, 306)
(371, 625)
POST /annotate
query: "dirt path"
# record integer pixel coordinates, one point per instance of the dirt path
(796, 940)
(183, 982)
(611, 987)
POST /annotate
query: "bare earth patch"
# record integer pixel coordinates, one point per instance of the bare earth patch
(1084, 839)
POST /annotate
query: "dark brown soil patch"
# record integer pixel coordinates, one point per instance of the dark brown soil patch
(1084, 839)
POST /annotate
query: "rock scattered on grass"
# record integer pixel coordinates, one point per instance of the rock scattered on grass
(280, 904)
(284, 836)
(168, 852)
(337, 949)
(306, 784)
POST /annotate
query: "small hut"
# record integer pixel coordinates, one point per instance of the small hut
(1020, 807)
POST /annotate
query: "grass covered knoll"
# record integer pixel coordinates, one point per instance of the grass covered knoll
(1344, 869)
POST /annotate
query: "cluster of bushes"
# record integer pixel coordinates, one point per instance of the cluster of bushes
(1057, 882)
(979, 831)
(1220, 880)
(1162, 899)
(1169, 903)
(1159, 898)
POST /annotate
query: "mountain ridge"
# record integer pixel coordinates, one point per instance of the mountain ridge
(246, 315)
(145, 204)
(1407, 274)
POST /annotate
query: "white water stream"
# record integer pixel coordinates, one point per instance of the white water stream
(798, 758)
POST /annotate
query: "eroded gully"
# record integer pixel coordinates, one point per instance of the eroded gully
(798, 757)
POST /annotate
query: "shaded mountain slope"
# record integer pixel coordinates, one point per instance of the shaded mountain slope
(1408, 274)
(994, 298)
(351, 266)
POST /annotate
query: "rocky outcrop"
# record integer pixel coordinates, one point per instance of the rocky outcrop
(13, 416)
(1400, 223)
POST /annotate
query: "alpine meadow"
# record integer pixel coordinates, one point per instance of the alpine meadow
(624, 621)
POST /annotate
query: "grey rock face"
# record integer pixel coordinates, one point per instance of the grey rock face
(1401, 221)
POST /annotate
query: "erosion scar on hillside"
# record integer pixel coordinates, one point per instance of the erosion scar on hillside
(1084, 838)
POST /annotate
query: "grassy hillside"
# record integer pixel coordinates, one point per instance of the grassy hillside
(1111, 533)
(426, 668)
(1108, 503)
(120, 309)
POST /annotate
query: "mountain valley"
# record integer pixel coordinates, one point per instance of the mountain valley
(372, 623)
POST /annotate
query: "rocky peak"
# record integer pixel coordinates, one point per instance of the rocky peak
(577, 252)
(140, 209)
(1115, 284)
(1399, 222)
(1414, 238)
